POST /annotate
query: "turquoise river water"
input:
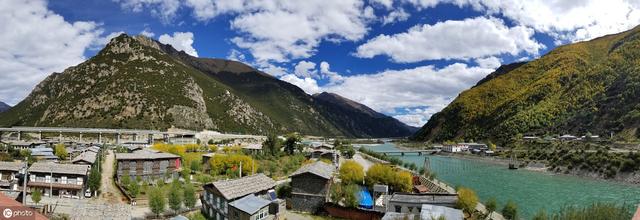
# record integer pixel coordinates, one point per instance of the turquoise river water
(530, 190)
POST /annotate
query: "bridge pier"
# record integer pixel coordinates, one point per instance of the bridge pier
(1, 133)
(39, 135)
(100, 138)
(166, 138)
(118, 138)
(60, 137)
(135, 137)
(19, 135)
(150, 139)
(80, 137)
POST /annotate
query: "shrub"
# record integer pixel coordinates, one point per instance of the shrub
(351, 172)
(510, 210)
(467, 199)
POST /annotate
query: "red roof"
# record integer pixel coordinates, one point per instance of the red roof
(8, 203)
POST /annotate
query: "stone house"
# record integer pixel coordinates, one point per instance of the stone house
(310, 186)
(62, 180)
(8, 175)
(147, 165)
(412, 203)
(218, 198)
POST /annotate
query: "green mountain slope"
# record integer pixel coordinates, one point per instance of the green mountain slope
(591, 86)
(4, 107)
(135, 82)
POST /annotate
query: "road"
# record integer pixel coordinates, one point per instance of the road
(362, 161)
(109, 192)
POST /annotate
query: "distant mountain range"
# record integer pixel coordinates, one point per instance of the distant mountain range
(586, 87)
(4, 107)
(136, 82)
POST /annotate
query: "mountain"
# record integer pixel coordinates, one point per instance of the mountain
(136, 82)
(591, 86)
(4, 107)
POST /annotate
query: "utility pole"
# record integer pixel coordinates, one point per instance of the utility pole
(24, 182)
(240, 169)
(51, 182)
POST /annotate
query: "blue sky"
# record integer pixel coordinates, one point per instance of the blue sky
(404, 58)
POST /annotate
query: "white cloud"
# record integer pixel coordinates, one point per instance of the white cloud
(278, 30)
(325, 71)
(34, 42)
(469, 38)
(564, 20)
(147, 32)
(164, 9)
(416, 117)
(489, 62)
(236, 55)
(395, 16)
(181, 41)
(307, 84)
(306, 69)
(272, 69)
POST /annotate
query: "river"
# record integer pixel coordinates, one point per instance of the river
(530, 190)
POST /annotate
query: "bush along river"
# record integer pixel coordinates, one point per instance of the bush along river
(530, 190)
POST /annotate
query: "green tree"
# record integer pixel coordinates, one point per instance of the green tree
(491, 205)
(175, 197)
(351, 172)
(467, 199)
(134, 189)
(510, 210)
(60, 151)
(125, 180)
(195, 165)
(272, 145)
(189, 196)
(291, 144)
(36, 196)
(157, 201)
(94, 180)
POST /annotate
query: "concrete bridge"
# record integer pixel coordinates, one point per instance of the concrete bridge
(409, 152)
(99, 132)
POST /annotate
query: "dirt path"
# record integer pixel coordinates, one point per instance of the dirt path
(110, 192)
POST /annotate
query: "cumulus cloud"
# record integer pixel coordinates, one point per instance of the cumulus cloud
(395, 16)
(147, 32)
(444, 40)
(181, 41)
(307, 84)
(278, 30)
(325, 71)
(164, 9)
(305, 69)
(564, 20)
(488, 62)
(34, 42)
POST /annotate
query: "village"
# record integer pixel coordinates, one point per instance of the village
(208, 175)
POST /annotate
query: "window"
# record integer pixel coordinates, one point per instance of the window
(132, 168)
(163, 166)
(262, 214)
(398, 209)
(148, 167)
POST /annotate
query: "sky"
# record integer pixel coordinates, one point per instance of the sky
(405, 58)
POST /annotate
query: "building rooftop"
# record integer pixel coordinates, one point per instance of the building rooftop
(88, 156)
(434, 212)
(143, 154)
(236, 188)
(428, 198)
(318, 168)
(250, 204)
(45, 167)
(397, 215)
(12, 166)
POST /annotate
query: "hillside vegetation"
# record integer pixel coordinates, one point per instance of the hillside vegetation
(136, 82)
(591, 86)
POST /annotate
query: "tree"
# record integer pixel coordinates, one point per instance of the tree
(134, 189)
(510, 210)
(189, 196)
(36, 196)
(94, 180)
(157, 201)
(345, 194)
(213, 148)
(175, 197)
(271, 145)
(195, 165)
(60, 151)
(383, 174)
(291, 144)
(467, 199)
(125, 180)
(351, 172)
(491, 205)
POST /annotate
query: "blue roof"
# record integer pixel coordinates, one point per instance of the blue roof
(365, 199)
(250, 204)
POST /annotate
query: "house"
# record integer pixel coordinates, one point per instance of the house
(309, 186)
(252, 148)
(66, 180)
(44, 154)
(412, 203)
(250, 207)
(8, 175)
(427, 212)
(218, 196)
(147, 165)
(452, 148)
(86, 158)
(205, 162)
